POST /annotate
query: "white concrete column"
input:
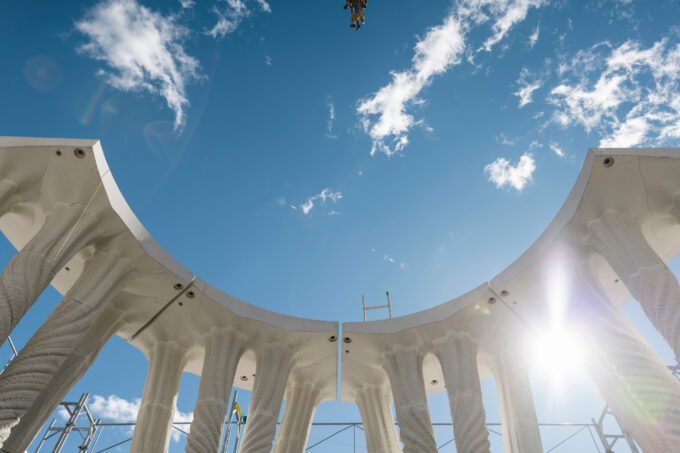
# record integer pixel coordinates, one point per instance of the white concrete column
(73, 367)
(223, 350)
(404, 366)
(301, 402)
(457, 355)
(631, 377)
(376, 415)
(274, 362)
(22, 382)
(64, 232)
(156, 412)
(518, 415)
(620, 241)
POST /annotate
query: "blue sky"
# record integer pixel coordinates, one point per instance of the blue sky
(297, 164)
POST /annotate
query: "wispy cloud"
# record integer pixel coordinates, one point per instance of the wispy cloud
(385, 114)
(434, 54)
(533, 38)
(387, 258)
(331, 119)
(501, 172)
(142, 49)
(268, 60)
(187, 3)
(318, 199)
(504, 140)
(628, 94)
(119, 410)
(556, 149)
(507, 13)
(230, 16)
(527, 84)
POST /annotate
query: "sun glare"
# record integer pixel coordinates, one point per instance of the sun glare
(556, 351)
(556, 355)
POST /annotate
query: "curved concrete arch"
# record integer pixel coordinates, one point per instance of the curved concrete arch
(158, 303)
(620, 216)
(613, 237)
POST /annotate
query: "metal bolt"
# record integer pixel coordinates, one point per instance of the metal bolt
(332, 338)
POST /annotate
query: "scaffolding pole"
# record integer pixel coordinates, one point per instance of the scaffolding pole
(376, 307)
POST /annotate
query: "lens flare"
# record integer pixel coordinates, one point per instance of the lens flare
(42, 73)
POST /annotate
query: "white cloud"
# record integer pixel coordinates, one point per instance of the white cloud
(331, 119)
(535, 144)
(508, 13)
(533, 38)
(434, 54)
(556, 149)
(388, 258)
(502, 173)
(231, 16)
(527, 85)
(119, 410)
(321, 198)
(504, 140)
(385, 114)
(628, 94)
(268, 60)
(143, 50)
(187, 3)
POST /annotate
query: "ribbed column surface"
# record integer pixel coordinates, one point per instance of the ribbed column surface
(56, 339)
(154, 420)
(404, 366)
(301, 402)
(376, 414)
(274, 361)
(72, 368)
(518, 415)
(634, 381)
(650, 282)
(223, 350)
(30, 271)
(458, 358)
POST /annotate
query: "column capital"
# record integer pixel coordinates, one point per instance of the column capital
(274, 363)
(618, 237)
(404, 367)
(223, 349)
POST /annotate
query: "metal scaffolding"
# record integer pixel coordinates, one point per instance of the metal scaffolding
(604, 432)
(89, 432)
(388, 305)
(92, 430)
